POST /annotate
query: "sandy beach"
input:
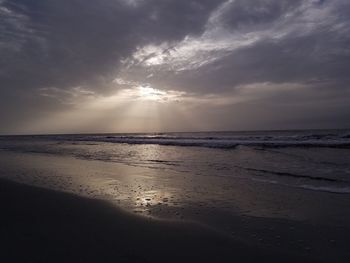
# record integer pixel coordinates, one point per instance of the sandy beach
(39, 225)
(92, 201)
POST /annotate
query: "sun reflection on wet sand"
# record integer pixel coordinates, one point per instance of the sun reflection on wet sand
(144, 201)
(147, 189)
(139, 189)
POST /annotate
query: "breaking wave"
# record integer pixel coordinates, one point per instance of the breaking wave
(224, 140)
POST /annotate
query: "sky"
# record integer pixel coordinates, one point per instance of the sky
(87, 66)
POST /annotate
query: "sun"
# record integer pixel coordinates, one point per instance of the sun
(148, 93)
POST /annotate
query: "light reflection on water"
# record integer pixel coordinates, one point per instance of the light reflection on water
(151, 183)
(133, 188)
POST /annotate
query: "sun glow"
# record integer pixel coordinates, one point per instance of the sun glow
(148, 93)
(133, 107)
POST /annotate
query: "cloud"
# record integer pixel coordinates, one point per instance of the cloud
(70, 43)
(226, 56)
(303, 41)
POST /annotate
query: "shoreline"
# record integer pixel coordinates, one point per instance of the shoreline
(42, 225)
(76, 205)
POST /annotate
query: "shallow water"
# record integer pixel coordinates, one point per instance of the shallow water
(290, 180)
(315, 160)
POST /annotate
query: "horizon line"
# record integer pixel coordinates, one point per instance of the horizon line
(208, 131)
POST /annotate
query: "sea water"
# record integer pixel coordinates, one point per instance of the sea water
(318, 160)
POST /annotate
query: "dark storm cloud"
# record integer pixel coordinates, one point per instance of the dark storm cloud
(67, 43)
(310, 48)
(75, 48)
(62, 44)
(251, 13)
(301, 60)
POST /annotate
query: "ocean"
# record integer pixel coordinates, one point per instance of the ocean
(318, 160)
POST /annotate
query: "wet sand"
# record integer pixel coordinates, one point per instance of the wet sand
(40, 225)
(152, 215)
